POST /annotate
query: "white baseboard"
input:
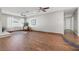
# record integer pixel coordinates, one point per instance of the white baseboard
(4, 34)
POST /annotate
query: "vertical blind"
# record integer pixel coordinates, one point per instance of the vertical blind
(13, 21)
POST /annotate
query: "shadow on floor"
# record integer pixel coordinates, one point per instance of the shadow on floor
(71, 38)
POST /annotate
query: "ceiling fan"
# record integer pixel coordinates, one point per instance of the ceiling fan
(43, 8)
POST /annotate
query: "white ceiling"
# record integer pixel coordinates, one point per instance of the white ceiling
(31, 11)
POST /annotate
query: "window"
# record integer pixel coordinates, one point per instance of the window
(33, 21)
(14, 22)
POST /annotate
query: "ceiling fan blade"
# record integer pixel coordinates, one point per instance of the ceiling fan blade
(44, 8)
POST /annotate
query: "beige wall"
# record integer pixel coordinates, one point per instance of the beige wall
(52, 22)
(75, 15)
(78, 21)
(4, 20)
(0, 22)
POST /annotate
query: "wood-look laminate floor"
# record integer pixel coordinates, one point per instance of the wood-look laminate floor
(34, 41)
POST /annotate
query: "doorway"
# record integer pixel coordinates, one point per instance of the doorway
(68, 24)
